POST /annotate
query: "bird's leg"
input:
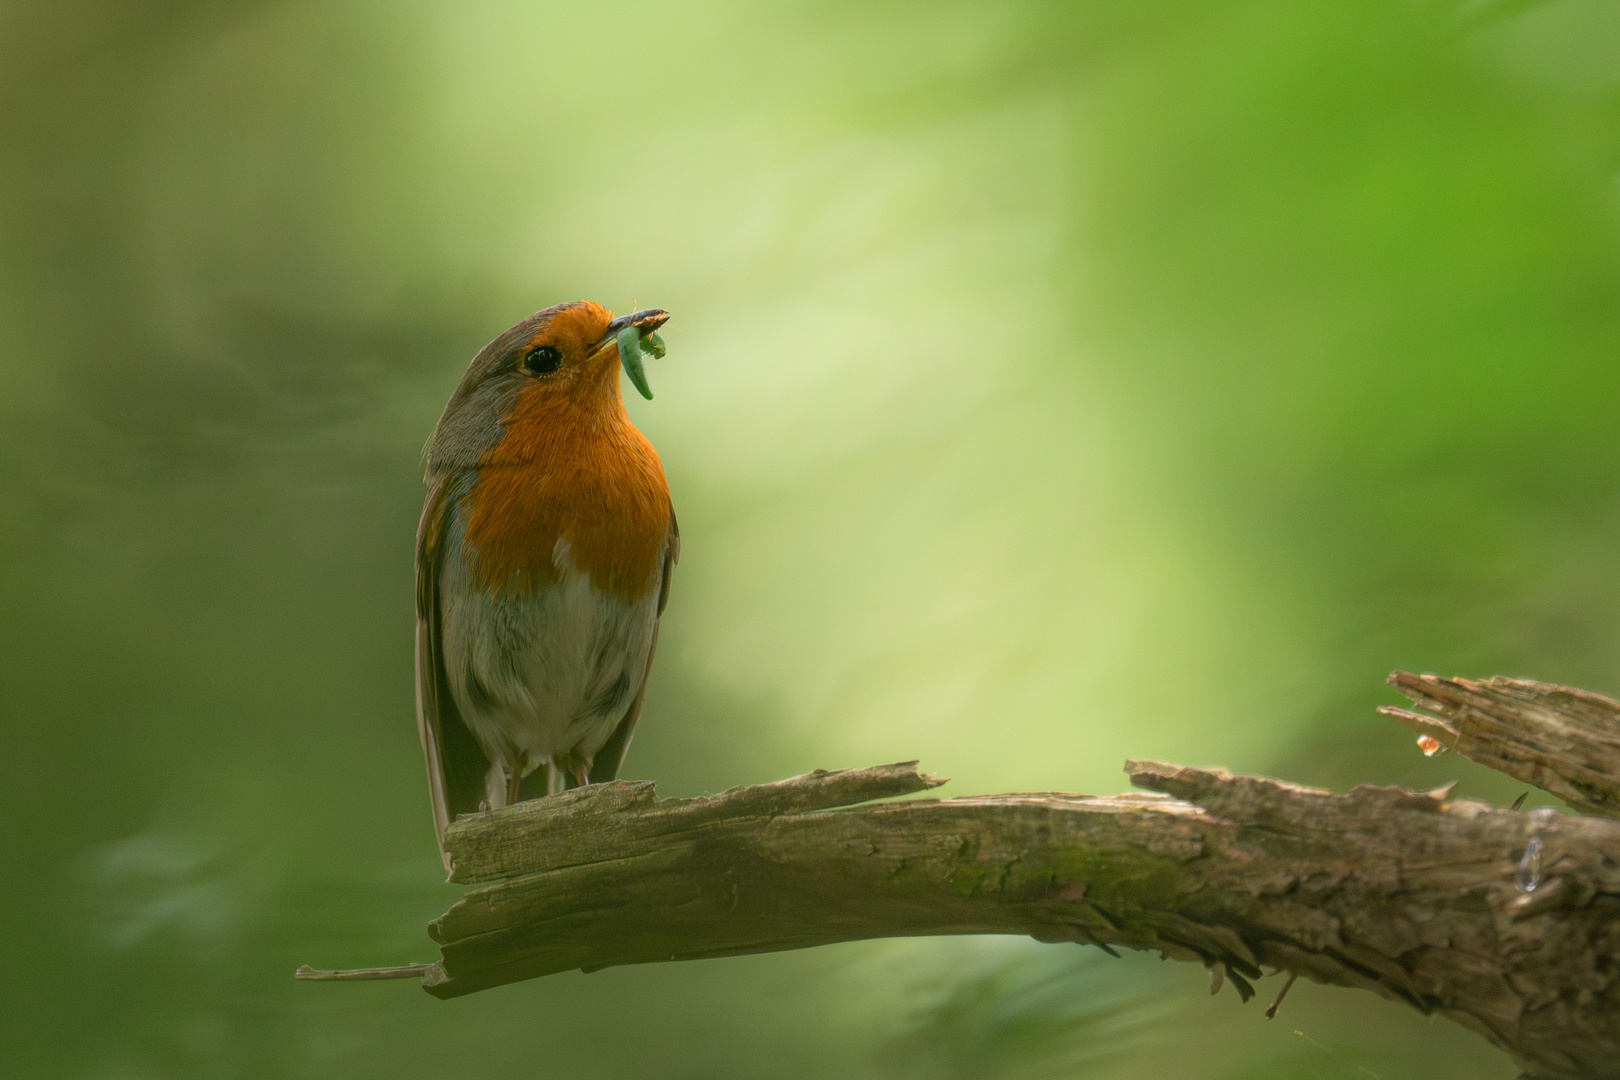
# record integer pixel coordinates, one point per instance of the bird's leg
(582, 776)
(514, 778)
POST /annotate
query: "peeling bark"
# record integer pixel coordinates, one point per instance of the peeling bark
(1505, 922)
(1562, 740)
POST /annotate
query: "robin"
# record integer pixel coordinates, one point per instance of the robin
(543, 561)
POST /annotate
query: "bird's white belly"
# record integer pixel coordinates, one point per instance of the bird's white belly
(537, 675)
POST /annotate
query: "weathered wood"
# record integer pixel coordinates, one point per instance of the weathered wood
(760, 880)
(305, 973)
(598, 821)
(1505, 922)
(1562, 740)
(1410, 895)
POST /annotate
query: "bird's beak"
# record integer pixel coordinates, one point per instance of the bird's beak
(630, 331)
(646, 321)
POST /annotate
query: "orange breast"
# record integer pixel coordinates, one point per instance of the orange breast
(586, 477)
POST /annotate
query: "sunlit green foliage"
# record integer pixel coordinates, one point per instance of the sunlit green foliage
(1048, 383)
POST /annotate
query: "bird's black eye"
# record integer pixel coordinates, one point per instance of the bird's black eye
(542, 360)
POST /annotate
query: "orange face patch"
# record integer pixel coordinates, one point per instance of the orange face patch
(575, 329)
(571, 468)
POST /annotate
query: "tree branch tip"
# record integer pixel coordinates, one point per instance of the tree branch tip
(895, 770)
(1398, 679)
(908, 769)
(1151, 774)
(1421, 723)
(306, 973)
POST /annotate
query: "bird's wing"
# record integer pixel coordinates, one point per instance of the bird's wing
(455, 763)
(611, 757)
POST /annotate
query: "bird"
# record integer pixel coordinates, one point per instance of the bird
(543, 563)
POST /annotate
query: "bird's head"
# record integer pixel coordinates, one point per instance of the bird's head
(567, 357)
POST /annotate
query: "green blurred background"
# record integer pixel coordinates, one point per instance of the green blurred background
(1049, 383)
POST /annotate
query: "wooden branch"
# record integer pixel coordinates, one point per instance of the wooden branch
(1562, 740)
(305, 973)
(598, 823)
(1506, 922)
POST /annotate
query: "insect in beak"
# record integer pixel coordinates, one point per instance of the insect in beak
(635, 334)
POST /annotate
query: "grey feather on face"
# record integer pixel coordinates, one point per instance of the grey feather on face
(471, 423)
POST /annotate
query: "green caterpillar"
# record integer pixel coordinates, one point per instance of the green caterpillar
(631, 346)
